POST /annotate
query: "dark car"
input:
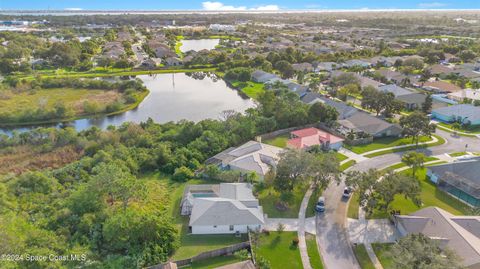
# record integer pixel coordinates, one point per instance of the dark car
(320, 206)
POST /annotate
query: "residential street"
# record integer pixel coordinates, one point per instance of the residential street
(332, 238)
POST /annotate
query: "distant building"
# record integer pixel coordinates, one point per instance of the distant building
(411, 100)
(262, 76)
(463, 113)
(222, 28)
(361, 122)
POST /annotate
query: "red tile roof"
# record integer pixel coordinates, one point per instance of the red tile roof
(308, 137)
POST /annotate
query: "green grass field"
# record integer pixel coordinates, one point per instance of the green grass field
(382, 252)
(347, 165)
(250, 88)
(213, 262)
(279, 141)
(315, 260)
(440, 141)
(312, 202)
(362, 257)
(430, 196)
(340, 156)
(268, 198)
(278, 249)
(387, 142)
(353, 206)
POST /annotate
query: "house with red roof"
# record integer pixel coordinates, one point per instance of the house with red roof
(309, 137)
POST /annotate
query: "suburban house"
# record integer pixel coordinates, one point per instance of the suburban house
(303, 67)
(327, 66)
(262, 76)
(463, 113)
(460, 234)
(173, 61)
(309, 137)
(252, 156)
(344, 110)
(411, 100)
(224, 208)
(460, 179)
(362, 122)
(466, 93)
(439, 86)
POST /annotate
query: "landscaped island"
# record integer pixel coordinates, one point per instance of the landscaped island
(53, 100)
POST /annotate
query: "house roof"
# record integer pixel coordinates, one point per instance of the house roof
(222, 211)
(366, 123)
(436, 223)
(396, 90)
(464, 174)
(472, 113)
(442, 86)
(344, 110)
(308, 137)
(252, 156)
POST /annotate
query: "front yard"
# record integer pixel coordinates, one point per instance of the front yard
(382, 251)
(270, 200)
(430, 196)
(387, 142)
(362, 257)
(278, 249)
(312, 250)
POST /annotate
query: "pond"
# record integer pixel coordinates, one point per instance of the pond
(198, 44)
(172, 97)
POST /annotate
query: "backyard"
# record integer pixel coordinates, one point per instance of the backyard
(277, 248)
(250, 88)
(190, 245)
(278, 141)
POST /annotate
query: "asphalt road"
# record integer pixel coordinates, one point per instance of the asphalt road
(332, 238)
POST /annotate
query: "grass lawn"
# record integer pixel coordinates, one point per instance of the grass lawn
(430, 196)
(387, 142)
(312, 250)
(190, 245)
(340, 156)
(213, 262)
(471, 129)
(250, 88)
(402, 164)
(382, 252)
(278, 249)
(353, 206)
(439, 142)
(362, 257)
(457, 154)
(279, 141)
(268, 198)
(347, 165)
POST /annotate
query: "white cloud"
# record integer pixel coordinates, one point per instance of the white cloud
(73, 8)
(220, 6)
(431, 5)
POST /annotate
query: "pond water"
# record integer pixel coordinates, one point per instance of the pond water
(198, 44)
(172, 97)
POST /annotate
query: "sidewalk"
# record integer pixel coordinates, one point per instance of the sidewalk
(302, 244)
(351, 156)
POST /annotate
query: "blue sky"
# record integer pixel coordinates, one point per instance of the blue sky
(237, 5)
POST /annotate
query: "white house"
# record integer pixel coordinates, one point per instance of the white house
(226, 208)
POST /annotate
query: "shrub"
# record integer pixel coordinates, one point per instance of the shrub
(295, 241)
(182, 174)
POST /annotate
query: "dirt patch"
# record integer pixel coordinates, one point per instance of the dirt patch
(24, 158)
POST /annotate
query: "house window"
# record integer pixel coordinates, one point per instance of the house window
(231, 227)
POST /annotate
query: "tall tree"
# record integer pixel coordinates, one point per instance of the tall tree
(415, 125)
(414, 160)
(417, 251)
(427, 105)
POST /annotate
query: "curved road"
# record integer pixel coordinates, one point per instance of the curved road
(332, 237)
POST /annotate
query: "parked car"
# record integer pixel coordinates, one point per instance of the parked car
(320, 206)
(347, 192)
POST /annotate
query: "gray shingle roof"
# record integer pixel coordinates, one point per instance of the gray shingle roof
(367, 123)
(438, 224)
(463, 110)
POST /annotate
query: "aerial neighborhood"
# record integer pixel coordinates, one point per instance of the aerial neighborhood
(240, 138)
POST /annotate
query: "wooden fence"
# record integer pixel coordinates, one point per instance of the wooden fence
(206, 255)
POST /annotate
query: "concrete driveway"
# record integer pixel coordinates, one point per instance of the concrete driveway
(291, 225)
(332, 240)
